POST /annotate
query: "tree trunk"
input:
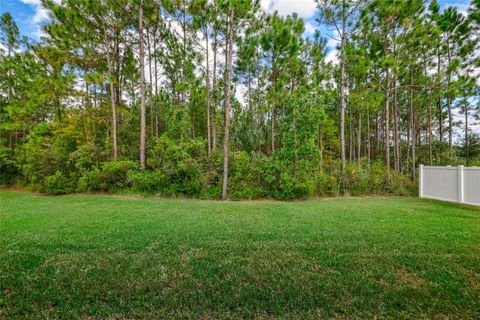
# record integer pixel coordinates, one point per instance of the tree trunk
(430, 161)
(466, 132)
(156, 80)
(378, 135)
(142, 87)
(214, 91)
(273, 104)
(273, 129)
(387, 126)
(342, 92)
(440, 109)
(396, 126)
(150, 73)
(114, 112)
(209, 142)
(413, 133)
(228, 79)
(320, 143)
(184, 53)
(449, 102)
(350, 134)
(359, 136)
(368, 139)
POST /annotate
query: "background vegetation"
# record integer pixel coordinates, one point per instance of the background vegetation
(218, 98)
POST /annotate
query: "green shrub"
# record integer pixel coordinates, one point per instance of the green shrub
(184, 179)
(44, 154)
(8, 167)
(147, 181)
(326, 184)
(58, 183)
(356, 179)
(89, 181)
(182, 164)
(286, 180)
(245, 176)
(88, 156)
(113, 175)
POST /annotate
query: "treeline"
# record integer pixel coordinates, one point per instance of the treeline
(219, 98)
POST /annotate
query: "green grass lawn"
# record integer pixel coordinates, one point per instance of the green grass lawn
(97, 257)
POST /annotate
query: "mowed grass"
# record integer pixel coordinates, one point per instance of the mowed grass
(107, 257)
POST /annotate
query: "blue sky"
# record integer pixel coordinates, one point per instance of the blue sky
(29, 14)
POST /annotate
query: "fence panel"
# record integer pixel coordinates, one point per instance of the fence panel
(456, 184)
(471, 185)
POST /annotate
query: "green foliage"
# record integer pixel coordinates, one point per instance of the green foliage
(58, 183)
(89, 181)
(245, 176)
(8, 167)
(286, 183)
(114, 175)
(181, 164)
(150, 182)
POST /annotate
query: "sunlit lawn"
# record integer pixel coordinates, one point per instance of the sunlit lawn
(97, 257)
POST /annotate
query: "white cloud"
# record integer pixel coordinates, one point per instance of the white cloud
(332, 56)
(309, 28)
(39, 33)
(3, 50)
(332, 43)
(41, 14)
(304, 8)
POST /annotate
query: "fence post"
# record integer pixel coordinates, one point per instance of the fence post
(460, 184)
(420, 181)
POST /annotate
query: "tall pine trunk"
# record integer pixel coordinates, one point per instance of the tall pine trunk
(209, 143)
(214, 91)
(359, 136)
(142, 86)
(387, 125)
(156, 80)
(466, 132)
(430, 161)
(440, 108)
(449, 103)
(342, 92)
(228, 85)
(114, 111)
(414, 130)
(149, 49)
(273, 104)
(396, 130)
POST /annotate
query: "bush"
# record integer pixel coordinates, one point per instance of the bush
(326, 184)
(147, 181)
(186, 179)
(356, 179)
(45, 154)
(245, 176)
(89, 181)
(88, 156)
(288, 181)
(8, 168)
(181, 166)
(58, 183)
(113, 176)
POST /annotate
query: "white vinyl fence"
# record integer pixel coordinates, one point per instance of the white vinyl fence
(457, 184)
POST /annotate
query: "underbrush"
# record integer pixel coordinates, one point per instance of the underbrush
(184, 170)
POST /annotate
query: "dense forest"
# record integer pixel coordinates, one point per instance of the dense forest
(221, 99)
